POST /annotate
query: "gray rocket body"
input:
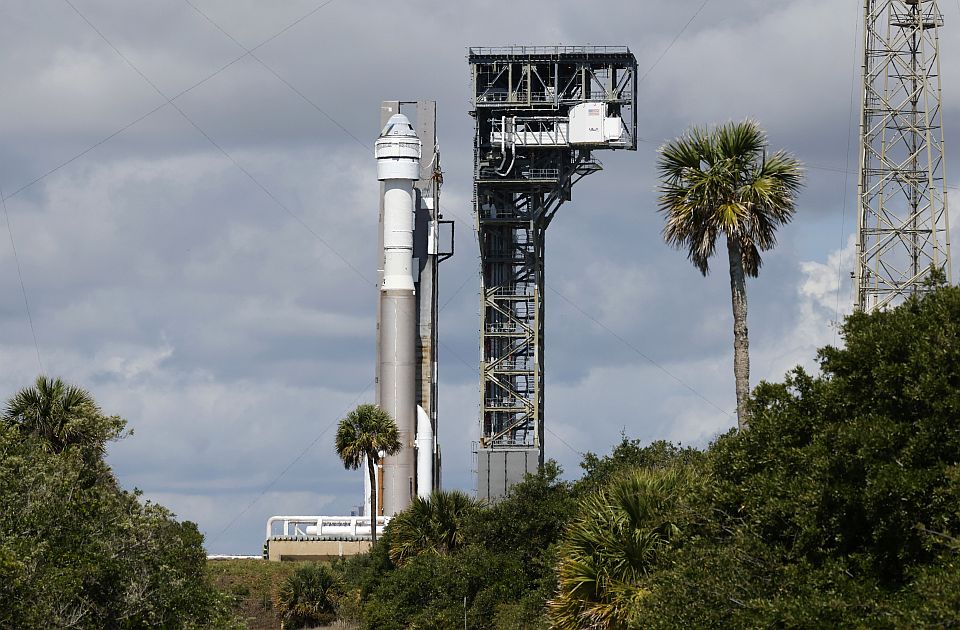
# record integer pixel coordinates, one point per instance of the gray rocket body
(398, 153)
(397, 388)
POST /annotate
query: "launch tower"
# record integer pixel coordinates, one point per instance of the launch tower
(541, 114)
(903, 231)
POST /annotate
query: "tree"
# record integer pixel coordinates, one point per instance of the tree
(76, 550)
(362, 436)
(722, 182)
(840, 507)
(308, 597)
(619, 536)
(432, 525)
(61, 415)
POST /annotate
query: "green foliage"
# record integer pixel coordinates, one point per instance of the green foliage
(77, 550)
(308, 597)
(839, 507)
(722, 182)
(249, 586)
(431, 525)
(620, 534)
(501, 560)
(361, 437)
(364, 433)
(628, 455)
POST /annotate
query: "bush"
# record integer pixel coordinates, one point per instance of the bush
(308, 597)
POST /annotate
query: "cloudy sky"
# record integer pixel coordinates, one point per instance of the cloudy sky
(206, 267)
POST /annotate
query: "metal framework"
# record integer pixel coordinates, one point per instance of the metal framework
(540, 114)
(903, 225)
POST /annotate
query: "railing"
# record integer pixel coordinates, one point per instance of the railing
(548, 50)
(324, 526)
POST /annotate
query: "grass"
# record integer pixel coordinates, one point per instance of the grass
(251, 584)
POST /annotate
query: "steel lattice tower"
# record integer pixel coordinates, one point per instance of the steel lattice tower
(540, 114)
(903, 225)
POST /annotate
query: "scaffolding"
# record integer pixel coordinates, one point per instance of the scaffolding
(903, 232)
(540, 112)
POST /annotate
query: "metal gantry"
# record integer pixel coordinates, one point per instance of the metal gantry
(540, 112)
(903, 225)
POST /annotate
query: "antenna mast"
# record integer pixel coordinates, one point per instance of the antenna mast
(903, 230)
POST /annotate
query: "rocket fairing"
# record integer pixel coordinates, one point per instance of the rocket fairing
(398, 152)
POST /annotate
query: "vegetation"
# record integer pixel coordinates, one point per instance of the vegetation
(365, 435)
(722, 182)
(839, 508)
(76, 550)
(250, 586)
(308, 597)
(432, 525)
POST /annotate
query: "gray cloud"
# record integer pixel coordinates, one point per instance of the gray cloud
(232, 337)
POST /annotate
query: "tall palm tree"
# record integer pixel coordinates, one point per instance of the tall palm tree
(722, 182)
(365, 435)
(431, 525)
(620, 533)
(61, 415)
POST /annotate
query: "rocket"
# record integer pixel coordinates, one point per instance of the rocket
(410, 472)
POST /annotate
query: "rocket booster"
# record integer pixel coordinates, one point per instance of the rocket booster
(398, 152)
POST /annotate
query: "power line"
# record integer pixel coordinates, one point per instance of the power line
(289, 466)
(641, 353)
(277, 75)
(674, 41)
(23, 288)
(846, 176)
(175, 97)
(213, 142)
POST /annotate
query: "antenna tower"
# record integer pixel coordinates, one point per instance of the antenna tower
(903, 231)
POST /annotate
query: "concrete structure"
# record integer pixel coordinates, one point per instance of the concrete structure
(541, 112)
(312, 549)
(903, 226)
(317, 537)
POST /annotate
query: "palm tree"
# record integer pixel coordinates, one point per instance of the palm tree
(431, 525)
(722, 182)
(365, 435)
(620, 533)
(61, 416)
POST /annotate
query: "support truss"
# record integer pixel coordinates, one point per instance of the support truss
(527, 159)
(903, 224)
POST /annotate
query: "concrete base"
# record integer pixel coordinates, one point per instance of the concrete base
(313, 550)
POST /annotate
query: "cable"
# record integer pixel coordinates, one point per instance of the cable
(274, 73)
(213, 142)
(563, 441)
(846, 176)
(175, 97)
(293, 463)
(640, 353)
(674, 41)
(23, 288)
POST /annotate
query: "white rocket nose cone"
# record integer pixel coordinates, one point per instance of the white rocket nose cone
(398, 126)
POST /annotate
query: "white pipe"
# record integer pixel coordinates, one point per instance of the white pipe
(425, 457)
(343, 526)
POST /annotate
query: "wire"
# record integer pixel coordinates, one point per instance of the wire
(274, 73)
(213, 142)
(289, 466)
(674, 41)
(641, 353)
(563, 441)
(23, 288)
(846, 176)
(175, 97)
